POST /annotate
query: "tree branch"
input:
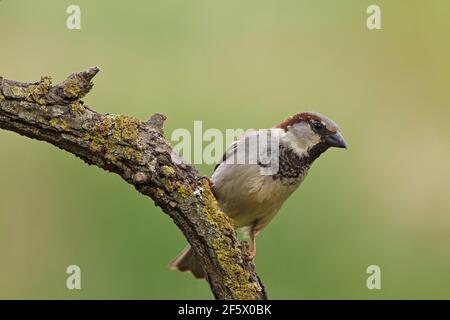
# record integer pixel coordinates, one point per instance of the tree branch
(138, 152)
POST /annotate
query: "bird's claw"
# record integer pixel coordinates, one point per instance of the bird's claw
(249, 254)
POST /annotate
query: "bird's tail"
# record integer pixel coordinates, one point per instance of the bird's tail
(187, 261)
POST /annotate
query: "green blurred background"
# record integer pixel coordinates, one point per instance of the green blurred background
(238, 64)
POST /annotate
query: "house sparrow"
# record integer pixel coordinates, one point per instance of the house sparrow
(252, 191)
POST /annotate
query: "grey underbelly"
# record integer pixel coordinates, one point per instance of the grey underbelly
(249, 214)
(249, 198)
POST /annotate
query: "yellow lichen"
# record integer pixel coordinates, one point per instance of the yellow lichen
(168, 171)
(126, 128)
(168, 184)
(96, 141)
(77, 107)
(37, 92)
(32, 93)
(18, 92)
(58, 123)
(183, 190)
(236, 277)
(71, 88)
(171, 185)
(43, 108)
(212, 212)
(118, 136)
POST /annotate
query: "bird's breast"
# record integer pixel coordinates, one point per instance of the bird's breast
(247, 196)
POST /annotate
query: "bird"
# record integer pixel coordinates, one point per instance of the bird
(252, 191)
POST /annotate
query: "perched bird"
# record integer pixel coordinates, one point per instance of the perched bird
(252, 191)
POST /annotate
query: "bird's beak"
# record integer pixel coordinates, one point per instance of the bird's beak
(336, 140)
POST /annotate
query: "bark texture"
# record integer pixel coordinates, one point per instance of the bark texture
(137, 151)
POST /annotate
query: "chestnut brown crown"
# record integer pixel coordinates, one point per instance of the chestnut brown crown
(322, 126)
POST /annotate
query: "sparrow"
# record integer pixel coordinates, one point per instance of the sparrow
(259, 172)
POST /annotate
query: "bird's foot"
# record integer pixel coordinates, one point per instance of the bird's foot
(249, 254)
(209, 181)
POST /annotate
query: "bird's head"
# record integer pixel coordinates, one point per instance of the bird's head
(311, 132)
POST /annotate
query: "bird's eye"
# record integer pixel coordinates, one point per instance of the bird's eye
(318, 126)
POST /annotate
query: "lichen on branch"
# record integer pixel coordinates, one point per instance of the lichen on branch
(138, 152)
